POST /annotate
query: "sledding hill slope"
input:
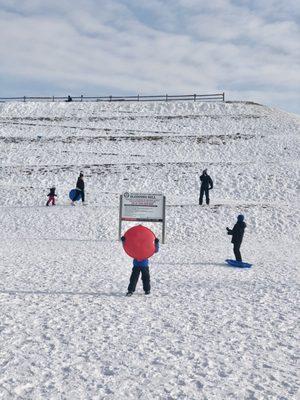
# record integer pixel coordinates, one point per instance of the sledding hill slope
(207, 331)
(251, 152)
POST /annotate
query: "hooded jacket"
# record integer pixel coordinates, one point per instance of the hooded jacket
(206, 181)
(237, 232)
(52, 193)
(80, 184)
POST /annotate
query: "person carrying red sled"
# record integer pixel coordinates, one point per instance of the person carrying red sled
(140, 267)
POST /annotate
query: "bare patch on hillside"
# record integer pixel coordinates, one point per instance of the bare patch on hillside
(210, 139)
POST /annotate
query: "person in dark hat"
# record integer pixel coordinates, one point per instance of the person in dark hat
(51, 196)
(79, 189)
(237, 233)
(206, 186)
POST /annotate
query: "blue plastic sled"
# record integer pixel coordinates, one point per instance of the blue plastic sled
(238, 264)
(73, 193)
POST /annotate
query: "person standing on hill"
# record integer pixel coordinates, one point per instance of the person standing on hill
(206, 186)
(237, 233)
(79, 189)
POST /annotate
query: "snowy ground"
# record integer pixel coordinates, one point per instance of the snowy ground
(207, 331)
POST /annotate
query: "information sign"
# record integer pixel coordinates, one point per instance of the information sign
(142, 207)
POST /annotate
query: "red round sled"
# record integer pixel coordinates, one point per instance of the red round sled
(139, 242)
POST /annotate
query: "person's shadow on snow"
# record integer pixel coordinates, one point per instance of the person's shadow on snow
(193, 263)
(64, 293)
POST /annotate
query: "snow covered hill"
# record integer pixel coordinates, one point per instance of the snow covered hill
(207, 331)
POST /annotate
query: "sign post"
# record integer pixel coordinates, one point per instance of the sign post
(142, 207)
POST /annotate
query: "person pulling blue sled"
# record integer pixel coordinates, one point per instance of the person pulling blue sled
(237, 233)
(78, 193)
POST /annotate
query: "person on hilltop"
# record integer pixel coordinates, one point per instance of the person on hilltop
(79, 190)
(237, 233)
(140, 266)
(206, 186)
(69, 98)
(51, 196)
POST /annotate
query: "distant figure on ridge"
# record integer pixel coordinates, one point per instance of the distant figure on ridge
(79, 189)
(69, 99)
(237, 233)
(51, 196)
(206, 186)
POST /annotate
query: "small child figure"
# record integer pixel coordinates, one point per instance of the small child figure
(51, 196)
(140, 266)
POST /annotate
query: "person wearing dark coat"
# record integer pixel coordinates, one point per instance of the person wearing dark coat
(51, 196)
(237, 233)
(140, 267)
(206, 186)
(79, 189)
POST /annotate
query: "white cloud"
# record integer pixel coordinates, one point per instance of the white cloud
(152, 47)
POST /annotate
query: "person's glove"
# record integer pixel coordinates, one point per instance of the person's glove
(156, 240)
(227, 229)
(123, 238)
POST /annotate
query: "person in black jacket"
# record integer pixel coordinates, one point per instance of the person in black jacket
(206, 186)
(79, 189)
(237, 233)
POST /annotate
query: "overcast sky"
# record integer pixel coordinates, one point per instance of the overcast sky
(248, 48)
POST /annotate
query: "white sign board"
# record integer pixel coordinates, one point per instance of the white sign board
(142, 207)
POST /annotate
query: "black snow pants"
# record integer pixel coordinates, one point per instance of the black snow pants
(236, 250)
(79, 193)
(202, 192)
(135, 277)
